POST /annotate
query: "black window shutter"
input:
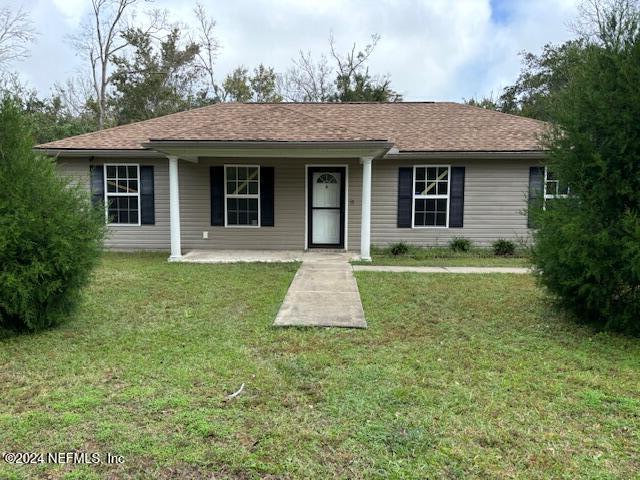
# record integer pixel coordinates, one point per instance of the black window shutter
(456, 197)
(536, 191)
(97, 185)
(405, 196)
(147, 196)
(267, 178)
(216, 175)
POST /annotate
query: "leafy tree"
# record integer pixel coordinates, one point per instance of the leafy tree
(264, 85)
(541, 79)
(49, 118)
(587, 247)
(261, 87)
(237, 85)
(155, 82)
(488, 103)
(50, 235)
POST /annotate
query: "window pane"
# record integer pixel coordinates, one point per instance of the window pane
(418, 219)
(431, 188)
(123, 216)
(242, 189)
(111, 172)
(563, 189)
(443, 173)
(252, 173)
(253, 188)
(111, 186)
(431, 205)
(122, 186)
(133, 203)
(441, 220)
(133, 216)
(253, 217)
(419, 173)
(231, 173)
(133, 172)
(243, 218)
(442, 205)
(431, 173)
(133, 186)
(122, 172)
(442, 188)
(420, 205)
(253, 204)
(419, 188)
(231, 188)
(429, 219)
(242, 173)
(232, 203)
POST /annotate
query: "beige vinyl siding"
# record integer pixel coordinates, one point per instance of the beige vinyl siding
(143, 237)
(288, 233)
(494, 203)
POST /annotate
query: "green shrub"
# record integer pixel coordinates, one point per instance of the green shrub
(503, 248)
(459, 244)
(587, 247)
(50, 235)
(398, 249)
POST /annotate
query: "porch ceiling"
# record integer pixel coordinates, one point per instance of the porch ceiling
(193, 150)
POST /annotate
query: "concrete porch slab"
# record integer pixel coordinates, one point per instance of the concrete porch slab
(267, 256)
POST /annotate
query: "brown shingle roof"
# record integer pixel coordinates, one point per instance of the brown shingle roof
(441, 126)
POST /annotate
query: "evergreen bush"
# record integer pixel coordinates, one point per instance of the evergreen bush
(50, 235)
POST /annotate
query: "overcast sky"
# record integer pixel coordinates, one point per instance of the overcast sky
(432, 49)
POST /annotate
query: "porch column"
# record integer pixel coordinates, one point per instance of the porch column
(174, 209)
(365, 226)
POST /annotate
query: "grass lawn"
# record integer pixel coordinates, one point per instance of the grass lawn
(445, 257)
(456, 377)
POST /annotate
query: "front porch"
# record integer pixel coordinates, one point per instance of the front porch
(269, 203)
(265, 256)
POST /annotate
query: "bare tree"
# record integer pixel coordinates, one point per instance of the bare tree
(307, 80)
(353, 61)
(209, 45)
(16, 33)
(102, 38)
(609, 22)
(75, 94)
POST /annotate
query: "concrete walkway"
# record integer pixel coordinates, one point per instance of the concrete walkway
(323, 293)
(401, 269)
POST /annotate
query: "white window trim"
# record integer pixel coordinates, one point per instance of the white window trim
(120, 194)
(551, 196)
(430, 196)
(228, 195)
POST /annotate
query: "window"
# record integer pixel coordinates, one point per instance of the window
(431, 196)
(122, 195)
(242, 195)
(552, 186)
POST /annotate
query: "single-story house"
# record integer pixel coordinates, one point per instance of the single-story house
(297, 176)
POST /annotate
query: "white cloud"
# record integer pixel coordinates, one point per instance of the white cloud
(433, 49)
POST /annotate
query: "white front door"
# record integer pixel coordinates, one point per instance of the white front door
(326, 207)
